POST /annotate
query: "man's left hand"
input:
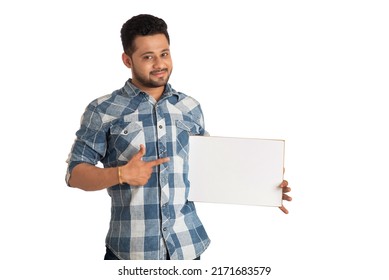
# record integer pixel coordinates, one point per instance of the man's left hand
(285, 189)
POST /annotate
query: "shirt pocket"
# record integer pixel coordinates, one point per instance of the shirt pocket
(185, 129)
(125, 139)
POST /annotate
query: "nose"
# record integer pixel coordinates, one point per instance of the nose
(158, 63)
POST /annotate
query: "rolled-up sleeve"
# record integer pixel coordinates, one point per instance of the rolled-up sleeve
(90, 143)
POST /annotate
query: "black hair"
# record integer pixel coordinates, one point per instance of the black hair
(141, 25)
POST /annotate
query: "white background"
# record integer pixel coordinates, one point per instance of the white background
(314, 73)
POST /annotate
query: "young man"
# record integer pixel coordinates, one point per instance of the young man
(140, 133)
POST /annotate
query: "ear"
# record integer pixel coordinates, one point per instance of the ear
(126, 60)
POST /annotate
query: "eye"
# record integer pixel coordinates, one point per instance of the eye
(165, 54)
(148, 57)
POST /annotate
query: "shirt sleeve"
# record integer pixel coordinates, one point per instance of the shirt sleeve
(90, 143)
(202, 124)
(198, 117)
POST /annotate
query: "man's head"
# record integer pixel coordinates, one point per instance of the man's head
(146, 47)
(141, 25)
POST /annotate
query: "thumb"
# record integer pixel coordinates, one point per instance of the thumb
(141, 153)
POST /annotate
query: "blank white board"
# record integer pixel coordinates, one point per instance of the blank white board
(236, 170)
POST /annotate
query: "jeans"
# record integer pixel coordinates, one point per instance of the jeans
(111, 256)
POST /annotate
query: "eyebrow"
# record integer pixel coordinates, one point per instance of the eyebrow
(164, 50)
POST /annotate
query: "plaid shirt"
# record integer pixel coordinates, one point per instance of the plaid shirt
(150, 221)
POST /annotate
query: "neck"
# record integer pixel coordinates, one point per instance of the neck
(155, 92)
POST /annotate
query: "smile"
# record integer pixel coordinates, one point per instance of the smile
(159, 72)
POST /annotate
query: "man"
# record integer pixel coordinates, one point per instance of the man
(140, 133)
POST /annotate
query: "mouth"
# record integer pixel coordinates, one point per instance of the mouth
(159, 73)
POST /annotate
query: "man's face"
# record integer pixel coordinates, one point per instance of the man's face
(151, 64)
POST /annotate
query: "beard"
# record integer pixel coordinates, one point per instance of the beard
(152, 81)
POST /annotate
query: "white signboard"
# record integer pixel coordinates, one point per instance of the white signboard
(236, 170)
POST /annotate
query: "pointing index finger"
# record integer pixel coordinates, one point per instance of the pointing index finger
(158, 161)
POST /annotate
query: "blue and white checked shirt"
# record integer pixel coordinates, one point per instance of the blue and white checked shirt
(154, 220)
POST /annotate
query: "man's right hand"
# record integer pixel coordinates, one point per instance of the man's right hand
(137, 172)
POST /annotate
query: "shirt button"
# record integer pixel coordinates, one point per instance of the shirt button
(160, 126)
(125, 132)
(164, 229)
